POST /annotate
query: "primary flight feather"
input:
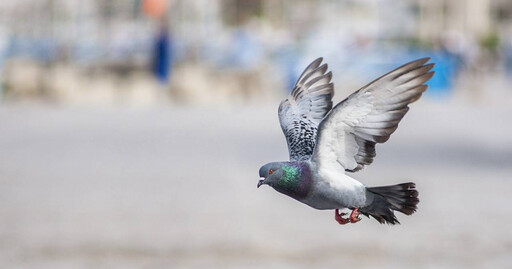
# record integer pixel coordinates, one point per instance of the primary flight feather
(325, 142)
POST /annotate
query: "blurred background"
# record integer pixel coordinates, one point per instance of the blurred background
(132, 131)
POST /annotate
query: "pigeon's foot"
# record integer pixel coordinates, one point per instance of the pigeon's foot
(354, 216)
(339, 217)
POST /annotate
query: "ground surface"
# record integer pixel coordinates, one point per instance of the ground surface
(176, 188)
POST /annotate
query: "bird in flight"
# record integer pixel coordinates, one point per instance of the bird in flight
(325, 142)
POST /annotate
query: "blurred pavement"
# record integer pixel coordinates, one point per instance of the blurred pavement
(175, 187)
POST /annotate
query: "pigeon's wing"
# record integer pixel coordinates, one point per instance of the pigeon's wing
(308, 103)
(348, 134)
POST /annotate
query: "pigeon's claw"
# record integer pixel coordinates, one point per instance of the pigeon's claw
(339, 217)
(354, 216)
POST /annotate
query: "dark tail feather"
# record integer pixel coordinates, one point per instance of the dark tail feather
(383, 200)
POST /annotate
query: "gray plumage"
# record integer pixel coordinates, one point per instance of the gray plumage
(324, 142)
(300, 114)
(373, 112)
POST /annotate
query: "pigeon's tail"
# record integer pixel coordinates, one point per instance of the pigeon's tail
(382, 201)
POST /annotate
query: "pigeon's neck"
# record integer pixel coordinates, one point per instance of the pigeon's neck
(296, 180)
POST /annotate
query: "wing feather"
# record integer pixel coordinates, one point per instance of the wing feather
(350, 131)
(308, 103)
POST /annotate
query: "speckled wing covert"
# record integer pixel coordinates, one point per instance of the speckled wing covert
(348, 134)
(308, 103)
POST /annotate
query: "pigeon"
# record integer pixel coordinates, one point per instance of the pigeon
(325, 142)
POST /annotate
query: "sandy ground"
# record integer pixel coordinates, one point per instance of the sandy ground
(176, 188)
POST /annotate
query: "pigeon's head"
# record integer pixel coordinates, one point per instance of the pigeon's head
(271, 173)
(290, 178)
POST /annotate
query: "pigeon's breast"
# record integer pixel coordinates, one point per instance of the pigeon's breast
(335, 191)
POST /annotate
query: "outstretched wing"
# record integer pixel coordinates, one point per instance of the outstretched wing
(308, 103)
(370, 115)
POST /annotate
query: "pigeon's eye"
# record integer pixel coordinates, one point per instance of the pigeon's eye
(270, 172)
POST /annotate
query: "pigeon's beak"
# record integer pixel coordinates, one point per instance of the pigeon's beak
(261, 182)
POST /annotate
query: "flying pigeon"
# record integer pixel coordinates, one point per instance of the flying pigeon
(325, 142)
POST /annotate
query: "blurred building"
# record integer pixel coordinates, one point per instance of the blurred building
(263, 42)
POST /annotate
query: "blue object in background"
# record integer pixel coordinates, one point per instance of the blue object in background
(163, 56)
(441, 84)
(446, 68)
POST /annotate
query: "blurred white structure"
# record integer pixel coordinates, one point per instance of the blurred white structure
(264, 42)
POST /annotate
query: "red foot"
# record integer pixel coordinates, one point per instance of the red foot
(353, 218)
(339, 217)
